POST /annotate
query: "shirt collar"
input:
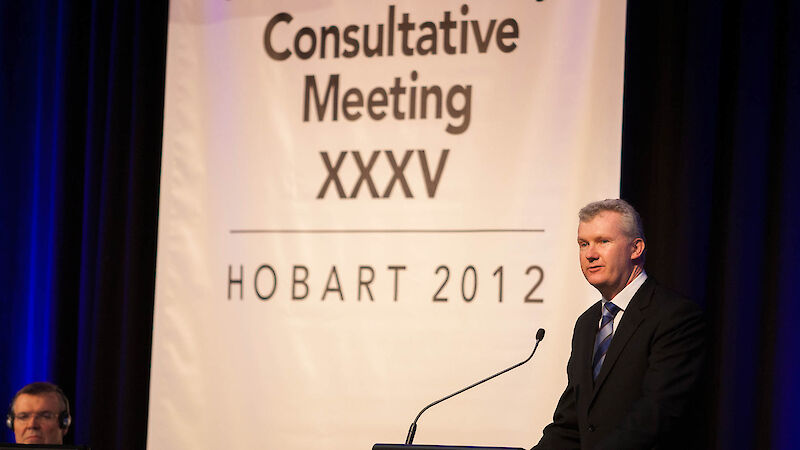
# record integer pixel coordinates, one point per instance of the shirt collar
(626, 294)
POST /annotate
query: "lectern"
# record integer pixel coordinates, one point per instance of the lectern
(436, 447)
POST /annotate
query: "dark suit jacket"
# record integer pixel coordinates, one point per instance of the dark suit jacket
(644, 392)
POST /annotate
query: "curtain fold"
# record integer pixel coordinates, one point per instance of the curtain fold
(82, 113)
(709, 139)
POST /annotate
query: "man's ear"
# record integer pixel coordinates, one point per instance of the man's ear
(637, 248)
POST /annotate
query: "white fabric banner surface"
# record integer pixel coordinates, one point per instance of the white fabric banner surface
(366, 206)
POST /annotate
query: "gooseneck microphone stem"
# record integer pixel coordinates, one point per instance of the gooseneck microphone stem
(413, 429)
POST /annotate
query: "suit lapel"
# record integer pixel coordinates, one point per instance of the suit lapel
(627, 327)
(588, 331)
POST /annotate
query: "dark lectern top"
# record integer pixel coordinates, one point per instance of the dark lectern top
(436, 447)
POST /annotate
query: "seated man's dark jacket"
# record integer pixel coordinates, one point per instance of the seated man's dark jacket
(649, 379)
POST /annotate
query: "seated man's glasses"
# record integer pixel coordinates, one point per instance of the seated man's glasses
(43, 415)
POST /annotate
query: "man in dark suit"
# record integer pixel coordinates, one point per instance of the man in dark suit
(637, 354)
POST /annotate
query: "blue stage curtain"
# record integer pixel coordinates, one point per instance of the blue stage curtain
(710, 151)
(81, 107)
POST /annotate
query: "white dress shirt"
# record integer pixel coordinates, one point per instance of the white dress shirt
(622, 300)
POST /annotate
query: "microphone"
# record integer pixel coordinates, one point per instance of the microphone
(413, 429)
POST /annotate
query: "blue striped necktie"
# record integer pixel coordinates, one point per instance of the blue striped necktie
(604, 335)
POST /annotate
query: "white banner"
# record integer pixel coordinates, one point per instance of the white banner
(366, 206)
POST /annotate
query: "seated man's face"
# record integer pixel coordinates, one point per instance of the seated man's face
(36, 419)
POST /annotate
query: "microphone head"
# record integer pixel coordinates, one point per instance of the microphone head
(540, 334)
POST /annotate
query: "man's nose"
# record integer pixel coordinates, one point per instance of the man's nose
(590, 253)
(34, 420)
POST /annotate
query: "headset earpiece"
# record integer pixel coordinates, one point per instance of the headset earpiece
(64, 420)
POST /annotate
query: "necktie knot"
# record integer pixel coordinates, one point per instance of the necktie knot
(610, 309)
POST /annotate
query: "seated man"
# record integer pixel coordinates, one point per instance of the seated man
(39, 414)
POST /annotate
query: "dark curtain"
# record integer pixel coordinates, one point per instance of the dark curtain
(710, 151)
(81, 87)
(710, 145)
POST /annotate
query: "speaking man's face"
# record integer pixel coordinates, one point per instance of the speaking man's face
(607, 254)
(36, 419)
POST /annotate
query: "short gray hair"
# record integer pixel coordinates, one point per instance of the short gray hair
(631, 221)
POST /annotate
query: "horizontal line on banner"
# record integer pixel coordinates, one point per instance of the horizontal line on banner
(390, 231)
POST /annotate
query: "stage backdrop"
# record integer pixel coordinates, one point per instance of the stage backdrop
(368, 205)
